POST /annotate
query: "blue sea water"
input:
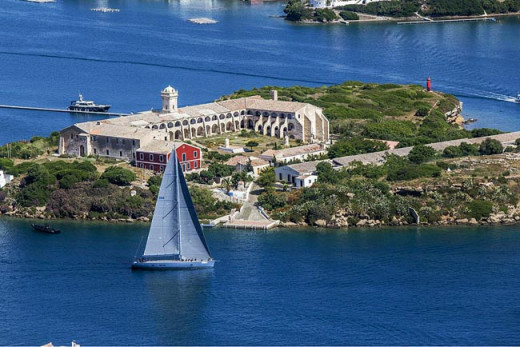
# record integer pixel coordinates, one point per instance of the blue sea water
(410, 286)
(50, 52)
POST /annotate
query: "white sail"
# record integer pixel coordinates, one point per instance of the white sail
(163, 238)
(175, 231)
(193, 244)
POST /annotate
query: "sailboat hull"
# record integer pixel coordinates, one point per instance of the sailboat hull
(172, 265)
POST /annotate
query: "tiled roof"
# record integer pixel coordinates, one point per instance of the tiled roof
(294, 151)
(159, 146)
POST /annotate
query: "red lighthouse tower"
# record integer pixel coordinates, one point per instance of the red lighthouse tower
(429, 84)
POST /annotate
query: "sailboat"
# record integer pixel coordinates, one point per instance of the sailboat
(176, 240)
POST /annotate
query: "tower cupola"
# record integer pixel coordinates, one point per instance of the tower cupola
(169, 98)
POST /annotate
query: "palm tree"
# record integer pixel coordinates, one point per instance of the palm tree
(227, 184)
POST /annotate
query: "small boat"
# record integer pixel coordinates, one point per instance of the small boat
(517, 99)
(175, 240)
(45, 229)
(86, 106)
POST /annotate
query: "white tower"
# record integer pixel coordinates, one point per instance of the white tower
(169, 98)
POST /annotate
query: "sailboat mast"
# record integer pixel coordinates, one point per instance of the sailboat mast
(178, 185)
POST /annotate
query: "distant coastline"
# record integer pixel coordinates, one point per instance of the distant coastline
(364, 19)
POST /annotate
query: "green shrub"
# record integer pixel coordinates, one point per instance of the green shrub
(481, 132)
(118, 175)
(452, 152)
(101, 183)
(420, 154)
(490, 146)
(348, 15)
(6, 163)
(422, 112)
(479, 209)
(325, 15)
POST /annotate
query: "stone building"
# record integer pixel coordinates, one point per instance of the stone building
(269, 117)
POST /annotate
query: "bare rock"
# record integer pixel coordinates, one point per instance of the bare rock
(320, 223)
(473, 221)
(361, 223)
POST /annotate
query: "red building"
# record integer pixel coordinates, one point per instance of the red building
(155, 154)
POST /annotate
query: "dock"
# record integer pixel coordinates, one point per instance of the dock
(31, 108)
(450, 20)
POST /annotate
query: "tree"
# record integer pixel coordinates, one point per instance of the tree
(326, 173)
(267, 178)
(452, 152)
(297, 10)
(227, 184)
(490, 146)
(251, 144)
(420, 154)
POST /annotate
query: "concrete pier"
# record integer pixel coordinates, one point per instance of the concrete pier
(30, 108)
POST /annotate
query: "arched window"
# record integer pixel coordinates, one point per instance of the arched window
(221, 116)
(185, 122)
(200, 120)
(170, 124)
(177, 124)
(193, 121)
(207, 119)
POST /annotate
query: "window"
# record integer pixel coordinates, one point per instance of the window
(123, 141)
(72, 136)
(133, 142)
(95, 151)
(141, 156)
(188, 166)
(280, 177)
(93, 138)
(183, 156)
(195, 165)
(117, 141)
(108, 139)
(151, 157)
(162, 168)
(108, 152)
(142, 166)
(195, 154)
(161, 158)
(151, 167)
(120, 153)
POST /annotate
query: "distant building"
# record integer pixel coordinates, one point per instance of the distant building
(120, 137)
(242, 163)
(298, 175)
(155, 154)
(5, 178)
(337, 3)
(294, 153)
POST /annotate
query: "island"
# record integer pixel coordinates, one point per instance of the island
(396, 155)
(335, 11)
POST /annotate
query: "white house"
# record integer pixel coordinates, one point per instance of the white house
(5, 178)
(298, 175)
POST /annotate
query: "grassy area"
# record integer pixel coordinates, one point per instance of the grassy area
(404, 113)
(241, 140)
